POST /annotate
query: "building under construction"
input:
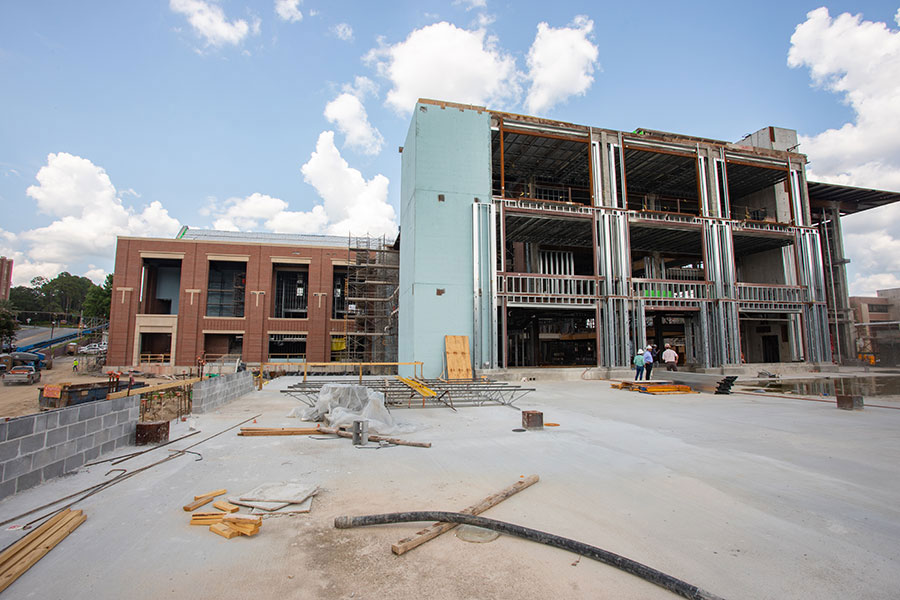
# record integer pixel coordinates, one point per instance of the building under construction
(554, 244)
(261, 297)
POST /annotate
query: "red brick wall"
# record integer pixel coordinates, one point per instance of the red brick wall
(257, 320)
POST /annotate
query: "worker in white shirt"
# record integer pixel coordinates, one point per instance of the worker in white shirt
(670, 357)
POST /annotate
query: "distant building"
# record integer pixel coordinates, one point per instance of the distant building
(877, 325)
(6, 267)
(555, 244)
(259, 296)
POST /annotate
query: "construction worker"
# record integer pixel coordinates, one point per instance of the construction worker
(75, 365)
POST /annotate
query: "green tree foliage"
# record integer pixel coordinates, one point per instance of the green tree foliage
(99, 299)
(8, 328)
(65, 293)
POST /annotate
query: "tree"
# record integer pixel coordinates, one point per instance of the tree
(98, 300)
(68, 291)
(25, 299)
(8, 328)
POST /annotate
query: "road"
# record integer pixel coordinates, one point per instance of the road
(31, 335)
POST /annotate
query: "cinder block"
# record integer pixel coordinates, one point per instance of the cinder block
(29, 480)
(7, 488)
(57, 436)
(134, 414)
(66, 450)
(87, 411)
(108, 447)
(54, 470)
(32, 443)
(3, 427)
(45, 421)
(76, 430)
(122, 416)
(17, 467)
(20, 427)
(91, 453)
(119, 403)
(125, 440)
(93, 425)
(104, 407)
(67, 416)
(83, 443)
(109, 420)
(9, 450)
(101, 436)
(43, 458)
(74, 462)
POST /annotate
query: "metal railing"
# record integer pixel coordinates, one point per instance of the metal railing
(546, 205)
(669, 293)
(547, 289)
(759, 295)
(665, 217)
(155, 358)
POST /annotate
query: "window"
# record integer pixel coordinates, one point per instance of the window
(227, 288)
(339, 304)
(879, 308)
(291, 294)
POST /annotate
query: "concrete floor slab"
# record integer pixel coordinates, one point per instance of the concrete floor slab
(746, 497)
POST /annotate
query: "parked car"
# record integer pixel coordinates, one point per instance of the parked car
(91, 349)
(22, 374)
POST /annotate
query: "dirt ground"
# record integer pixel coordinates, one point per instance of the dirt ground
(19, 399)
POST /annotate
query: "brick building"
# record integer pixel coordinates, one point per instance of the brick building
(877, 325)
(6, 266)
(263, 297)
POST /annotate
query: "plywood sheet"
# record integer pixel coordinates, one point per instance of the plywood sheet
(459, 363)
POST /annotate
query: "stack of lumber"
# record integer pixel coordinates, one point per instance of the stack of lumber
(663, 389)
(23, 554)
(250, 431)
(225, 521)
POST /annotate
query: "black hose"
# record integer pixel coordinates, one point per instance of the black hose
(646, 573)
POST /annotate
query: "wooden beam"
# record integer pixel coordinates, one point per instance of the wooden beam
(375, 438)
(70, 521)
(211, 494)
(432, 531)
(152, 388)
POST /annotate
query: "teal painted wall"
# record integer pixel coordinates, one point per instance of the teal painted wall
(447, 152)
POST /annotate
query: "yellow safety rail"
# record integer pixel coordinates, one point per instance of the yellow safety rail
(423, 390)
(280, 366)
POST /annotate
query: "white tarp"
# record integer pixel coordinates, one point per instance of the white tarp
(340, 404)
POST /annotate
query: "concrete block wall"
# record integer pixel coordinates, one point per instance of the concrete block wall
(39, 447)
(210, 394)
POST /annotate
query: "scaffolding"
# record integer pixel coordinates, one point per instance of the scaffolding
(370, 294)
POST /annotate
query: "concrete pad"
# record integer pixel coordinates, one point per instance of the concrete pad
(746, 497)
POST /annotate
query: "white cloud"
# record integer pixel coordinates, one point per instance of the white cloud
(350, 204)
(90, 214)
(288, 10)
(860, 61)
(349, 114)
(343, 31)
(209, 21)
(560, 64)
(470, 4)
(96, 274)
(353, 204)
(444, 62)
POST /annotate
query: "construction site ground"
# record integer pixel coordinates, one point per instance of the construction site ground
(744, 496)
(19, 399)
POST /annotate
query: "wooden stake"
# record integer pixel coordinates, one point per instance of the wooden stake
(211, 494)
(432, 531)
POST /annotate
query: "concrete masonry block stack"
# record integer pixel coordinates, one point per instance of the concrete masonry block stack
(212, 393)
(39, 447)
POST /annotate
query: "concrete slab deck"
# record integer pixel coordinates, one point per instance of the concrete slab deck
(746, 497)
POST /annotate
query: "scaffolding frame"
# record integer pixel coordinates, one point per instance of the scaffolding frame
(370, 292)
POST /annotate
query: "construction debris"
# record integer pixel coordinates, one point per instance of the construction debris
(206, 518)
(23, 554)
(226, 506)
(203, 499)
(263, 431)
(431, 532)
(375, 438)
(654, 387)
(278, 497)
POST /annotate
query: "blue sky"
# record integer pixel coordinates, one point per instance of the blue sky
(134, 118)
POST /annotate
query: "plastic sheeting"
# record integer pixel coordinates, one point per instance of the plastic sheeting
(341, 404)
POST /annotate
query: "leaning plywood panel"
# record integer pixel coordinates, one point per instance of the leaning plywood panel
(459, 363)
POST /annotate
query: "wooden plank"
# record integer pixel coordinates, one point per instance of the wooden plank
(226, 506)
(260, 431)
(223, 530)
(245, 519)
(152, 388)
(436, 529)
(26, 542)
(211, 494)
(247, 530)
(459, 362)
(197, 504)
(64, 527)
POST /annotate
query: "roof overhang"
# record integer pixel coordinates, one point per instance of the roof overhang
(847, 199)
